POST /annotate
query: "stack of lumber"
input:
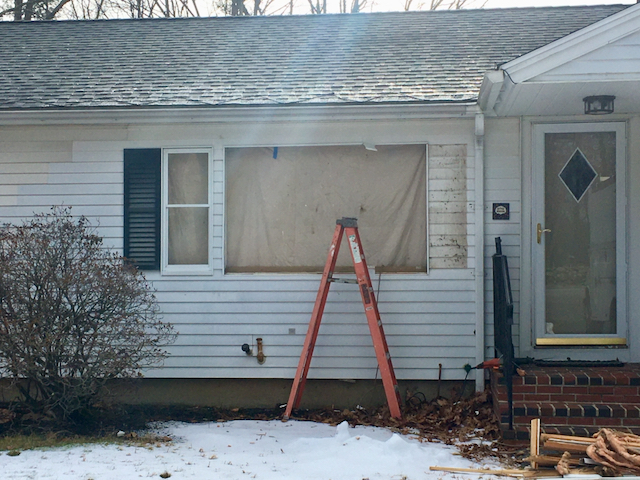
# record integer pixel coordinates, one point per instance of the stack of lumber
(609, 452)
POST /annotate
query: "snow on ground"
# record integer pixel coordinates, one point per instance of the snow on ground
(247, 449)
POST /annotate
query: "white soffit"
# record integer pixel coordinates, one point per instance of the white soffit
(564, 98)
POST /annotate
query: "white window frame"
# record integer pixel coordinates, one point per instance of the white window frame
(186, 269)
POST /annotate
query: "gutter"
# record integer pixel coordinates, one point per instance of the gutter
(270, 113)
(490, 89)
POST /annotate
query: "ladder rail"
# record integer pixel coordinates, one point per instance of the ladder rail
(372, 313)
(300, 379)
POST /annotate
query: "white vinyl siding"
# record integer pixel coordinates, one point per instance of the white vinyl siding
(216, 317)
(502, 185)
(616, 61)
(38, 174)
(429, 319)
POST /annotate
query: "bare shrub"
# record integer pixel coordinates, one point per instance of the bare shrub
(73, 315)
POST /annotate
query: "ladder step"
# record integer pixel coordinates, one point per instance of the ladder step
(341, 280)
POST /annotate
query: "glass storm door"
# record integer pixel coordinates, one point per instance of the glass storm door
(578, 225)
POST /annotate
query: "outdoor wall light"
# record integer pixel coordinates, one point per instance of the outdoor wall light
(598, 104)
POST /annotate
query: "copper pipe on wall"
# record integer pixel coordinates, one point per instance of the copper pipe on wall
(260, 356)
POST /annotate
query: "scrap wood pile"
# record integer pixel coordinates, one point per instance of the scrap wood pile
(608, 453)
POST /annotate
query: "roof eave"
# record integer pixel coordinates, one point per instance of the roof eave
(163, 115)
(574, 45)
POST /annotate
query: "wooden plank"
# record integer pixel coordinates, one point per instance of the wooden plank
(551, 441)
(566, 438)
(550, 461)
(503, 472)
(534, 449)
(565, 446)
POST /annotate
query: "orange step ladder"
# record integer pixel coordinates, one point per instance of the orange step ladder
(350, 227)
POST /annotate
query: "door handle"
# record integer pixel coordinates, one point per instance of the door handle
(540, 231)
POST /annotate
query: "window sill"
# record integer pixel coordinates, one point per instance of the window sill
(187, 270)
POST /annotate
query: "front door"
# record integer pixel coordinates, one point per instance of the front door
(578, 229)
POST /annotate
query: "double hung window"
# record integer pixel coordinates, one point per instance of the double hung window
(174, 229)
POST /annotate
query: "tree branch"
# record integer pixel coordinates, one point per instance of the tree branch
(57, 8)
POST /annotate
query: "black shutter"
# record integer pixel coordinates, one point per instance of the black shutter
(142, 207)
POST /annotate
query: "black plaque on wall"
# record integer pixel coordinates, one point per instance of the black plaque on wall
(501, 211)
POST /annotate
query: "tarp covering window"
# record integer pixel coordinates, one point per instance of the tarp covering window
(282, 206)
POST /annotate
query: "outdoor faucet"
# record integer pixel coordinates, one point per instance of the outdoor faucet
(260, 356)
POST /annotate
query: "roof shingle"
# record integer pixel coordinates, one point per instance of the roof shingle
(436, 56)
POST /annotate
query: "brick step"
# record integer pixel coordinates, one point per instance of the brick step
(522, 432)
(570, 400)
(572, 410)
(627, 376)
(573, 416)
(570, 393)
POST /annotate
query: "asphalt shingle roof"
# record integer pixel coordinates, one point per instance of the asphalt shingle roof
(436, 56)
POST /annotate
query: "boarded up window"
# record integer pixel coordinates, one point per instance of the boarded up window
(448, 206)
(282, 206)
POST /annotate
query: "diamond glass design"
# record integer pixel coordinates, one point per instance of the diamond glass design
(577, 175)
